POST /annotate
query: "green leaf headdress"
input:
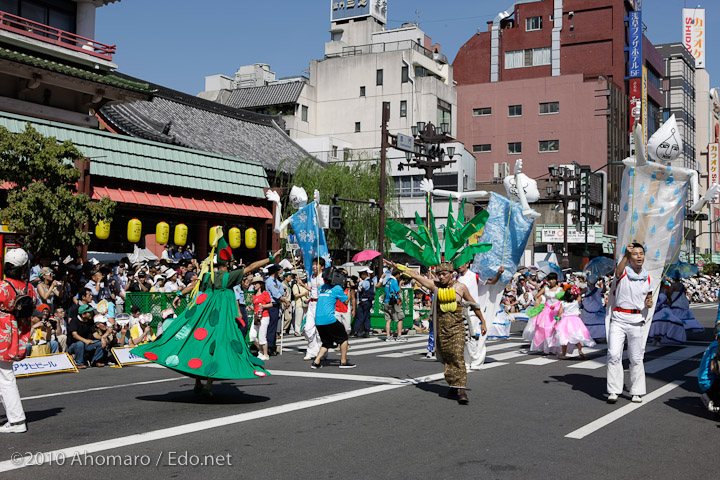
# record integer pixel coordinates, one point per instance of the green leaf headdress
(424, 244)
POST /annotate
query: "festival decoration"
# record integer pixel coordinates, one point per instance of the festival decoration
(665, 145)
(250, 238)
(180, 235)
(212, 236)
(162, 233)
(234, 237)
(424, 244)
(134, 230)
(102, 230)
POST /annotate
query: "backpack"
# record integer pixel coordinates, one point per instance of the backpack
(24, 305)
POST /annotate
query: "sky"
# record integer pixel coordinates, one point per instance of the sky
(176, 43)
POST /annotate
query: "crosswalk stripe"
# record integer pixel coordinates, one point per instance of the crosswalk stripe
(666, 361)
(600, 362)
(538, 361)
(501, 346)
(388, 348)
(404, 354)
(507, 355)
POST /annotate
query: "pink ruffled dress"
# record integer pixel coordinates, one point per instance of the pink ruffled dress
(570, 330)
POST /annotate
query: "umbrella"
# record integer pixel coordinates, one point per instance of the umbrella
(599, 267)
(365, 255)
(681, 270)
(347, 265)
(547, 267)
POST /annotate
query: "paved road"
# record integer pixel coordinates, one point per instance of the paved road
(529, 417)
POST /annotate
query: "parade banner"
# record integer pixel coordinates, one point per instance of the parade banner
(42, 364)
(124, 357)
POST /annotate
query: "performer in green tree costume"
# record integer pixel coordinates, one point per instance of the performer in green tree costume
(205, 341)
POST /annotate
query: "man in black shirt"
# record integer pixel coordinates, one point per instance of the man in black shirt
(80, 338)
(85, 299)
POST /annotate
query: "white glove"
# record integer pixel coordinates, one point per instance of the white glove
(426, 185)
(272, 196)
(518, 166)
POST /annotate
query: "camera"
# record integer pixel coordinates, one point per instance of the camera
(332, 276)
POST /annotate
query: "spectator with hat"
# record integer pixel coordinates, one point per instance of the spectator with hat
(171, 285)
(81, 343)
(300, 294)
(277, 293)
(105, 335)
(14, 335)
(48, 289)
(41, 333)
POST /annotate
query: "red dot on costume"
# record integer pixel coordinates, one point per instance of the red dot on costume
(258, 373)
(240, 321)
(150, 356)
(200, 334)
(201, 298)
(195, 363)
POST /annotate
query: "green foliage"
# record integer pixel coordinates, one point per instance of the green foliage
(355, 179)
(43, 202)
(709, 267)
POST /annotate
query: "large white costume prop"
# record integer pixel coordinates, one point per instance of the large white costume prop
(653, 206)
(311, 240)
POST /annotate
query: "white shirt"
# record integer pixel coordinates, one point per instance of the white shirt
(470, 280)
(315, 283)
(571, 308)
(550, 298)
(171, 287)
(630, 295)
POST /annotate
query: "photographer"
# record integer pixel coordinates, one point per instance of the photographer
(59, 325)
(49, 290)
(392, 306)
(41, 333)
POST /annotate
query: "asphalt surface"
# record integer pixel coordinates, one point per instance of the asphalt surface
(529, 417)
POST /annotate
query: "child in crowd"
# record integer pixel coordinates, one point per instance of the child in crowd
(570, 329)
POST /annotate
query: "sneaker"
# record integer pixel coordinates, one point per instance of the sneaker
(612, 398)
(636, 399)
(309, 357)
(389, 339)
(347, 365)
(264, 358)
(429, 355)
(16, 428)
(401, 339)
(709, 404)
(316, 366)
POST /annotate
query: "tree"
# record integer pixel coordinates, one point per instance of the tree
(43, 201)
(355, 179)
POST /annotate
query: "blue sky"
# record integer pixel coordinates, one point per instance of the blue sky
(176, 43)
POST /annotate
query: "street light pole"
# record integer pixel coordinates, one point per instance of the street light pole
(383, 174)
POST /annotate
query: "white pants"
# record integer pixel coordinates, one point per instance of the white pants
(259, 332)
(311, 333)
(9, 394)
(475, 350)
(299, 314)
(636, 351)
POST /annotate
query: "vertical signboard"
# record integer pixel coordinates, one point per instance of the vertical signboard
(716, 232)
(635, 59)
(694, 34)
(713, 171)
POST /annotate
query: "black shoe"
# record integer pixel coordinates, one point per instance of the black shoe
(354, 334)
(452, 393)
(347, 365)
(315, 366)
(462, 397)
(364, 335)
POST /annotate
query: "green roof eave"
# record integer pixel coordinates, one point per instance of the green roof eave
(134, 159)
(105, 78)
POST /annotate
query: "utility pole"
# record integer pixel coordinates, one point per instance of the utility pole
(384, 144)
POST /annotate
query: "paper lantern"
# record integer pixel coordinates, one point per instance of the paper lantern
(102, 230)
(134, 230)
(250, 238)
(180, 236)
(162, 233)
(213, 235)
(234, 237)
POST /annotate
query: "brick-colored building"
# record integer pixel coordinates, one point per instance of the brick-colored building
(546, 82)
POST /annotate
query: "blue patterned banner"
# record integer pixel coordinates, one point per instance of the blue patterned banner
(310, 238)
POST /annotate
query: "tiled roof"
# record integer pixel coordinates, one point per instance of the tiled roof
(276, 94)
(177, 118)
(105, 78)
(139, 160)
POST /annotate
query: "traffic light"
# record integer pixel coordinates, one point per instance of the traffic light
(335, 214)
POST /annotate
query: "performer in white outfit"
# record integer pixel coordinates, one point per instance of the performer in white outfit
(310, 330)
(475, 350)
(633, 295)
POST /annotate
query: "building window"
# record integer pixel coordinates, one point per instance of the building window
(446, 181)
(405, 74)
(362, 91)
(409, 186)
(531, 57)
(482, 112)
(484, 148)
(444, 114)
(515, 111)
(403, 108)
(549, 108)
(549, 146)
(304, 113)
(515, 147)
(56, 14)
(379, 77)
(334, 151)
(533, 23)
(357, 127)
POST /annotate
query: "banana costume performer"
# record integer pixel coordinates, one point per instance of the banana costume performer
(652, 214)
(446, 311)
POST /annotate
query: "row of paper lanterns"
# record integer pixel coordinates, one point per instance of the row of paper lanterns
(162, 234)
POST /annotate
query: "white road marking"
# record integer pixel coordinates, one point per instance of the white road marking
(103, 388)
(502, 346)
(389, 346)
(489, 365)
(600, 362)
(507, 356)
(332, 376)
(163, 433)
(538, 361)
(601, 422)
(666, 361)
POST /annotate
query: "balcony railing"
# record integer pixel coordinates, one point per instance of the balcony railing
(381, 48)
(55, 36)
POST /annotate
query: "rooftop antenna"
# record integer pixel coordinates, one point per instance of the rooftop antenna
(417, 15)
